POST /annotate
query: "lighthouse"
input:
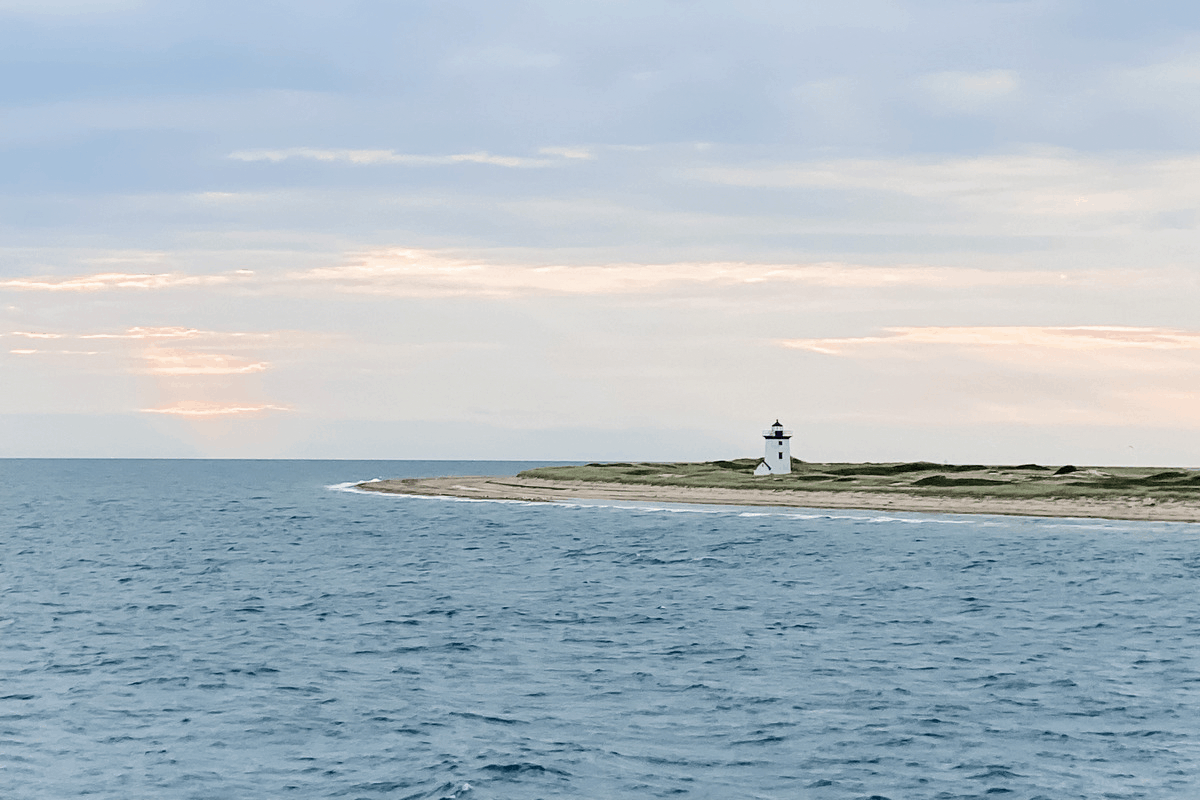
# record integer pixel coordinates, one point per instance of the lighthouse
(777, 458)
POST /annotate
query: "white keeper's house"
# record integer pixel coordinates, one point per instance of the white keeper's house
(777, 458)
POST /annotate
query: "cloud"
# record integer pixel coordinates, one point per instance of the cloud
(202, 410)
(392, 157)
(968, 91)
(568, 152)
(408, 272)
(166, 361)
(224, 197)
(416, 273)
(138, 332)
(1173, 80)
(1026, 193)
(168, 333)
(1074, 338)
(226, 338)
(1020, 375)
(103, 281)
(180, 362)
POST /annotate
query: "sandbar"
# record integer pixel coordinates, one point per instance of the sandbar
(519, 488)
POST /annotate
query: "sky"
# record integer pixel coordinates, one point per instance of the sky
(955, 231)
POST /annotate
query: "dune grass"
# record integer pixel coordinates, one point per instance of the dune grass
(922, 478)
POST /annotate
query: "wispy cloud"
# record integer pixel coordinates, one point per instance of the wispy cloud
(205, 410)
(143, 346)
(1026, 375)
(162, 332)
(180, 362)
(155, 334)
(408, 159)
(1083, 337)
(1035, 188)
(401, 272)
(174, 332)
(569, 152)
(103, 281)
(968, 91)
(406, 272)
(128, 257)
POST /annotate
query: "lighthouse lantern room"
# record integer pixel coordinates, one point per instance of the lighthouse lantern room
(777, 458)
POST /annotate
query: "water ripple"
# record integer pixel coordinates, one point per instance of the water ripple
(235, 629)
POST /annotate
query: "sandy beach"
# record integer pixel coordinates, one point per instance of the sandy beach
(543, 490)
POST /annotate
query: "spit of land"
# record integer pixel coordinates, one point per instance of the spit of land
(1121, 493)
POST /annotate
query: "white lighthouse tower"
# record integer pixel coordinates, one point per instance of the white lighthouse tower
(777, 459)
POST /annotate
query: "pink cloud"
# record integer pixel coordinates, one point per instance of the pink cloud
(201, 410)
(181, 362)
(108, 281)
(416, 273)
(179, 332)
(137, 332)
(1081, 337)
(401, 272)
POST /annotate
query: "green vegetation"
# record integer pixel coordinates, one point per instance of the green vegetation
(922, 478)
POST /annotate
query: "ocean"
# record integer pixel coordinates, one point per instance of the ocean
(252, 629)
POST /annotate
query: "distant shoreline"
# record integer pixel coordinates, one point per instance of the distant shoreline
(544, 490)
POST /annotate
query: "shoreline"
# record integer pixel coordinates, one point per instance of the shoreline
(538, 490)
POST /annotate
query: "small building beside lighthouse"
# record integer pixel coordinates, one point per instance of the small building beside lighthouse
(777, 458)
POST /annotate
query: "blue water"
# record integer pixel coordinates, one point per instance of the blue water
(196, 629)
